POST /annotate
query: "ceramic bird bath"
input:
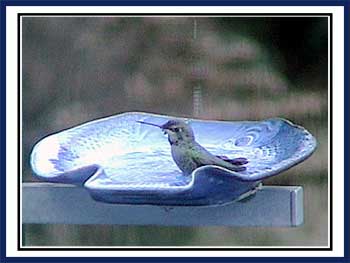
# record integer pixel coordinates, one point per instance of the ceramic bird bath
(119, 160)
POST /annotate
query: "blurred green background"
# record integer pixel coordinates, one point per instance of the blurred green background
(76, 69)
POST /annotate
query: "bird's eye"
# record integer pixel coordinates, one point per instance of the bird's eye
(176, 129)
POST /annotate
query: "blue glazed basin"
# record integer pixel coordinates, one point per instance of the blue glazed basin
(119, 160)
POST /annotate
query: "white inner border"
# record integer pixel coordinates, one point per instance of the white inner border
(338, 128)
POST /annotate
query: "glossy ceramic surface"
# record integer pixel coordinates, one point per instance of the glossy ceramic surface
(119, 160)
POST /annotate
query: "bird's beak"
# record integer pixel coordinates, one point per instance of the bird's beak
(165, 130)
(148, 123)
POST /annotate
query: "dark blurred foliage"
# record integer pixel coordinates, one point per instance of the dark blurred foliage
(76, 69)
(297, 41)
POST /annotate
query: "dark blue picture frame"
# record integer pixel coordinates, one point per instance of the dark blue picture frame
(5, 3)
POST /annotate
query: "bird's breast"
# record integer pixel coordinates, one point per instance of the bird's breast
(183, 158)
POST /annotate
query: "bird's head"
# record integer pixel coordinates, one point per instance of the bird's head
(178, 131)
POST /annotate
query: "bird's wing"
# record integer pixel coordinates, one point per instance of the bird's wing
(202, 157)
(235, 161)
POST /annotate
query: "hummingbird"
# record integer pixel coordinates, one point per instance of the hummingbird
(189, 154)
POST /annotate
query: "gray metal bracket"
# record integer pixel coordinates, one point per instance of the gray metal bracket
(273, 206)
